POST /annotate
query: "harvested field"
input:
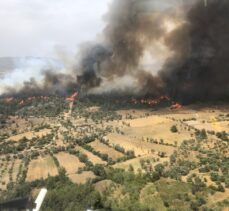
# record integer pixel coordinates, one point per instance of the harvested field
(156, 127)
(4, 177)
(133, 113)
(16, 167)
(70, 162)
(82, 178)
(9, 170)
(217, 126)
(219, 196)
(93, 109)
(104, 149)
(140, 147)
(135, 163)
(30, 135)
(41, 168)
(93, 158)
(204, 119)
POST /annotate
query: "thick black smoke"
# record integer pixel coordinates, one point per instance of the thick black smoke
(199, 70)
(52, 84)
(90, 64)
(132, 26)
(196, 60)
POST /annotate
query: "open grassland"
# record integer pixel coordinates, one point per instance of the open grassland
(70, 162)
(40, 168)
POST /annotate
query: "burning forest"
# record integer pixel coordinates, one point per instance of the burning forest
(137, 119)
(149, 49)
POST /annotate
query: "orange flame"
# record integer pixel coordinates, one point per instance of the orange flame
(176, 106)
(9, 99)
(72, 97)
(29, 99)
(151, 102)
(22, 102)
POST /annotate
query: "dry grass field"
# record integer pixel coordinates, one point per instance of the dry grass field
(9, 169)
(93, 158)
(156, 127)
(133, 113)
(104, 149)
(219, 197)
(4, 179)
(136, 164)
(41, 168)
(70, 162)
(212, 125)
(140, 147)
(16, 167)
(82, 178)
(30, 135)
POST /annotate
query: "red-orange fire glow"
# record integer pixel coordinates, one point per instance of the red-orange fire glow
(176, 106)
(22, 102)
(30, 99)
(151, 102)
(9, 99)
(72, 97)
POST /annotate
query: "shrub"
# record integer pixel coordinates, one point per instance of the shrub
(174, 129)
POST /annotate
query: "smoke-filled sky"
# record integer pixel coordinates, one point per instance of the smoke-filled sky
(38, 27)
(145, 48)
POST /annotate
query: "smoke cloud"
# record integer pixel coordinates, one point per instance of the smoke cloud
(199, 68)
(133, 28)
(192, 38)
(152, 48)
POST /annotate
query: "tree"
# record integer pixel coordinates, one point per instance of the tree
(99, 170)
(159, 168)
(174, 129)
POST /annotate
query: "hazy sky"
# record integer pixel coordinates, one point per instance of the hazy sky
(37, 27)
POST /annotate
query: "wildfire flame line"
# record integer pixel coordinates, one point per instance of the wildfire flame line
(157, 101)
(72, 97)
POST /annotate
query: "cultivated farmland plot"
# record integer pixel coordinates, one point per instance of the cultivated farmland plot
(70, 162)
(104, 149)
(41, 168)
